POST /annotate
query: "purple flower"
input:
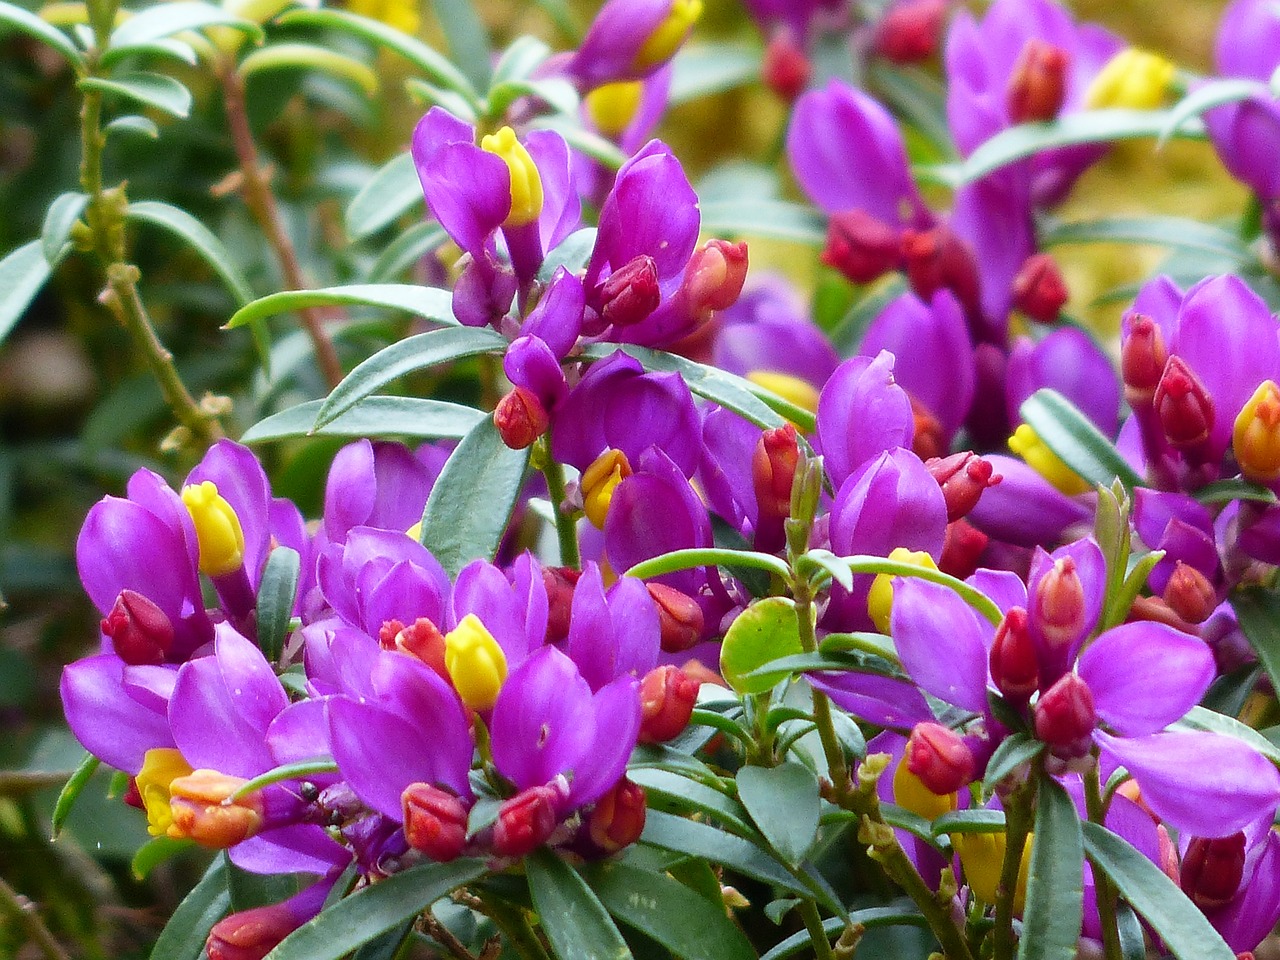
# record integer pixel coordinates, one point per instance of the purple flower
(380, 575)
(1024, 508)
(626, 41)
(1070, 361)
(862, 412)
(376, 484)
(118, 712)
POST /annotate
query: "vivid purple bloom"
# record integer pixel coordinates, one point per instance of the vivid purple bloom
(1024, 508)
(118, 712)
(381, 575)
(612, 634)
(1070, 361)
(862, 412)
(1180, 526)
(512, 605)
(611, 49)
(376, 484)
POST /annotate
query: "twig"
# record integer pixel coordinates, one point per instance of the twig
(30, 918)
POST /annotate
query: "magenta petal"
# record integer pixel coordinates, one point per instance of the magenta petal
(108, 722)
(468, 190)
(884, 701)
(543, 722)
(1205, 784)
(379, 753)
(862, 412)
(941, 642)
(617, 724)
(299, 848)
(1247, 919)
(591, 644)
(561, 207)
(300, 732)
(259, 697)
(242, 482)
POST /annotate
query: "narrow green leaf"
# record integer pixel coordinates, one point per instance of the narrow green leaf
(289, 771)
(701, 69)
(870, 918)
(828, 561)
(1235, 488)
(556, 92)
(276, 596)
(968, 821)
(705, 557)
(150, 89)
(970, 595)
(385, 946)
(392, 191)
(359, 918)
(765, 631)
(71, 792)
(571, 916)
(650, 902)
(164, 47)
(773, 219)
(876, 644)
(1011, 754)
(1198, 718)
(524, 55)
(784, 803)
(1133, 943)
(847, 334)
(33, 26)
(425, 302)
(693, 797)
(406, 250)
(307, 56)
(471, 502)
(572, 253)
(184, 936)
(429, 95)
(155, 852)
(1215, 93)
(374, 417)
(166, 19)
(1258, 610)
(1156, 898)
(131, 123)
(1055, 880)
(1182, 233)
(199, 237)
(783, 667)
(1076, 441)
(1092, 126)
(592, 144)
(22, 273)
(58, 221)
(467, 38)
(670, 832)
(406, 356)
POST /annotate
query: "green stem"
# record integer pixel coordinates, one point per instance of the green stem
(1106, 890)
(514, 924)
(26, 913)
(813, 923)
(831, 747)
(566, 526)
(1017, 828)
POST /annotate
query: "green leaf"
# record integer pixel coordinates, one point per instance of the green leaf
(556, 92)
(1092, 126)
(765, 631)
(828, 561)
(166, 47)
(571, 915)
(375, 417)
(131, 123)
(1156, 898)
(394, 190)
(289, 771)
(968, 821)
(784, 803)
(847, 334)
(430, 62)
(155, 852)
(468, 41)
(572, 253)
(58, 221)
(425, 302)
(705, 557)
(1215, 93)
(199, 237)
(651, 902)
(166, 19)
(1235, 488)
(870, 918)
(584, 141)
(1133, 943)
(150, 89)
(693, 797)
(1258, 610)
(523, 56)
(22, 273)
(1076, 441)
(772, 219)
(407, 356)
(33, 26)
(1011, 754)
(973, 597)
(276, 596)
(1198, 718)
(701, 69)
(876, 644)
(1182, 233)
(184, 936)
(471, 502)
(307, 56)
(783, 667)
(406, 250)
(1055, 880)
(71, 792)
(359, 918)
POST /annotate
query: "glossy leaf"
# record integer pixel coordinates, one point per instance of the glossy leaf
(131, 123)
(690, 796)
(783, 801)
(772, 219)
(375, 417)
(149, 89)
(357, 919)
(521, 58)
(1011, 754)
(765, 631)
(58, 221)
(1055, 879)
(22, 273)
(1235, 488)
(394, 190)
(166, 19)
(406, 250)
(155, 852)
(427, 302)
(33, 26)
(71, 792)
(199, 237)
(1076, 441)
(184, 936)
(308, 56)
(978, 820)
(468, 40)
(472, 500)
(870, 918)
(276, 596)
(1205, 97)
(572, 917)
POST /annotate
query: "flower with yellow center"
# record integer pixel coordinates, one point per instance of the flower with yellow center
(1256, 435)
(1027, 444)
(1132, 79)
(160, 767)
(599, 481)
(217, 529)
(613, 106)
(911, 794)
(476, 664)
(661, 45)
(880, 596)
(982, 856)
(526, 184)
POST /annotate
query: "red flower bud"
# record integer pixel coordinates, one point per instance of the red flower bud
(667, 696)
(251, 934)
(1059, 605)
(1212, 870)
(962, 477)
(1039, 290)
(861, 247)
(786, 69)
(560, 582)
(435, 821)
(773, 470)
(714, 277)
(910, 31)
(1038, 84)
(679, 616)
(617, 819)
(521, 418)
(928, 439)
(1156, 610)
(1184, 406)
(962, 549)
(1142, 359)
(631, 293)
(525, 822)
(940, 758)
(1189, 594)
(421, 639)
(1065, 716)
(1014, 667)
(141, 633)
(936, 260)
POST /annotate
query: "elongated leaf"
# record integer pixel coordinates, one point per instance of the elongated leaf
(1235, 488)
(393, 190)
(471, 502)
(375, 417)
(72, 790)
(406, 356)
(864, 563)
(592, 144)
(523, 56)
(649, 902)
(693, 797)
(869, 918)
(572, 917)
(58, 221)
(1011, 754)
(765, 631)
(1133, 943)
(1180, 232)
(425, 302)
(701, 69)
(783, 801)
(184, 936)
(131, 123)
(276, 596)
(166, 19)
(784, 667)
(774, 219)
(33, 26)
(1198, 718)
(429, 61)
(1076, 441)
(1156, 898)
(385, 946)
(22, 273)
(573, 253)
(308, 56)
(155, 852)
(1258, 610)
(1212, 94)
(406, 250)
(828, 561)
(1093, 126)
(1055, 880)
(359, 918)
(556, 92)
(289, 771)
(968, 821)
(467, 38)
(705, 557)
(200, 238)
(150, 89)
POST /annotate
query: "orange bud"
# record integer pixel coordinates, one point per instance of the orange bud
(251, 934)
(1142, 359)
(421, 639)
(1189, 594)
(679, 617)
(667, 697)
(435, 821)
(525, 822)
(1038, 84)
(521, 418)
(617, 819)
(200, 813)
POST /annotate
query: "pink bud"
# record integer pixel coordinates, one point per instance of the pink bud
(861, 247)
(435, 821)
(141, 633)
(251, 934)
(1189, 594)
(631, 293)
(962, 549)
(962, 477)
(714, 277)
(1184, 406)
(1142, 359)
(911, 30)
(560, 583)
(617, 819)
(1212, 870)
(1014, 668)
(1039, 290)
(940, 758)
(421, 639)
(773, 470)
(1038, 84)
(679, 617)
(525, 822)
(937, 259)
(1065, 716)
(521, 418)
(786, 69)
(667, 696)
(1059, 604)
